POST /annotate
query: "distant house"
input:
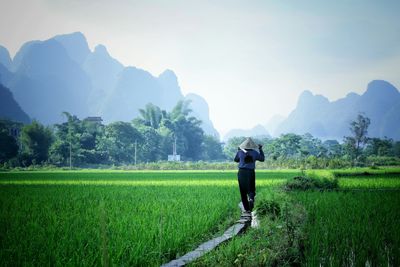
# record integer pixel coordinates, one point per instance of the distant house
(97, 120)
(13, 127)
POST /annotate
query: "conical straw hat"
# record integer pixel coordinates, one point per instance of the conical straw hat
(248, 144)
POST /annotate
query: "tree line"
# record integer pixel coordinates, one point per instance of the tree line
(357, 149)
(149, 139)
(75, 142)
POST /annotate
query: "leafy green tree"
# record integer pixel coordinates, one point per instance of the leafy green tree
(118, 142)
(167, 138)
(76, 142)
(286, 146)
(186, 129)
(181, 109)
(349, 149)
(149, 147)
(36, 140)
(59, 152)
(379, 147)
(311, 146)
(333, 148)
(67, 150)
(8, 144)
(354, 144)
(167, 126)
(231, 146)
(190, 136)
(359, 129)
(91, 133)
(151, 116)
(396, 149)
(272, 149)
(212, 149)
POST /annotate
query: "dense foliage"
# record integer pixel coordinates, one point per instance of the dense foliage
(78, 143)
(305, 151)
(147, 141)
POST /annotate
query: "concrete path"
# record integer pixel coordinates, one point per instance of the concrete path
(232, 231)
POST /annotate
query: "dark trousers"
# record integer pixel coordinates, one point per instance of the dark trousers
(247, 186)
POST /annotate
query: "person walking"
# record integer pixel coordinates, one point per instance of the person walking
(246, 156)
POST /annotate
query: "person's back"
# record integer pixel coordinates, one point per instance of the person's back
(247, 157)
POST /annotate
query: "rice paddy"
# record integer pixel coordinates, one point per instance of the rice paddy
(117, 218)
(352, 228)
(147, 218)
(357, 225)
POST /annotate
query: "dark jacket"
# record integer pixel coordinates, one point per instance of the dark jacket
(248, 160)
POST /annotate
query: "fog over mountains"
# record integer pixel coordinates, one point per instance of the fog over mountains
(9, 108)
(315, 114)
(63, 74)
(256, 131)
(326, 119)
(48, 77)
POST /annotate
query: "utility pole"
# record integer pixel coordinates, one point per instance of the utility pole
(70, 154)
(135, 150)
(174, 148)
(174, 156)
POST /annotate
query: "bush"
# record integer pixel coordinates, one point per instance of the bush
(269, 208)
(309, 183)
(286, 245)
(382, 161)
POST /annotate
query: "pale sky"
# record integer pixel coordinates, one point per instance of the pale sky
(249, 59)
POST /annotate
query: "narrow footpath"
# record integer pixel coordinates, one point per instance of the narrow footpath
(232, 231)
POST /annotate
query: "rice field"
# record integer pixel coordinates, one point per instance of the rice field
(357, 225)
(114, 218)
(147, 218)
(352, 228)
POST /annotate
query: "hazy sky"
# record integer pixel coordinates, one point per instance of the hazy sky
(249, 59)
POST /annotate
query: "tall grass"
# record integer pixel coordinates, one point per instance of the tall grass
(107, 223)
(354, 225)
(352, 228)
(135, 218)
(146, 218)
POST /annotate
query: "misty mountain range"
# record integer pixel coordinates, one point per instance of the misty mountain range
(62, 74)
(320, 117)
(257, 131)
(324, 119)
(9, 108)
(48, 77)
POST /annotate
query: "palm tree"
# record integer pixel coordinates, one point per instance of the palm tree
(151, 115)
(180, 109)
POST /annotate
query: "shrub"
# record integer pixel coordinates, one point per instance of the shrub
(309, 183)
(269, 208)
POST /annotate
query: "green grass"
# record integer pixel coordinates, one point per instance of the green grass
(274, 243)
(352, 228)
(134, 218)
(354, 225)
(146, 218)
(374, 182)
(357, 224)
(364, 171)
